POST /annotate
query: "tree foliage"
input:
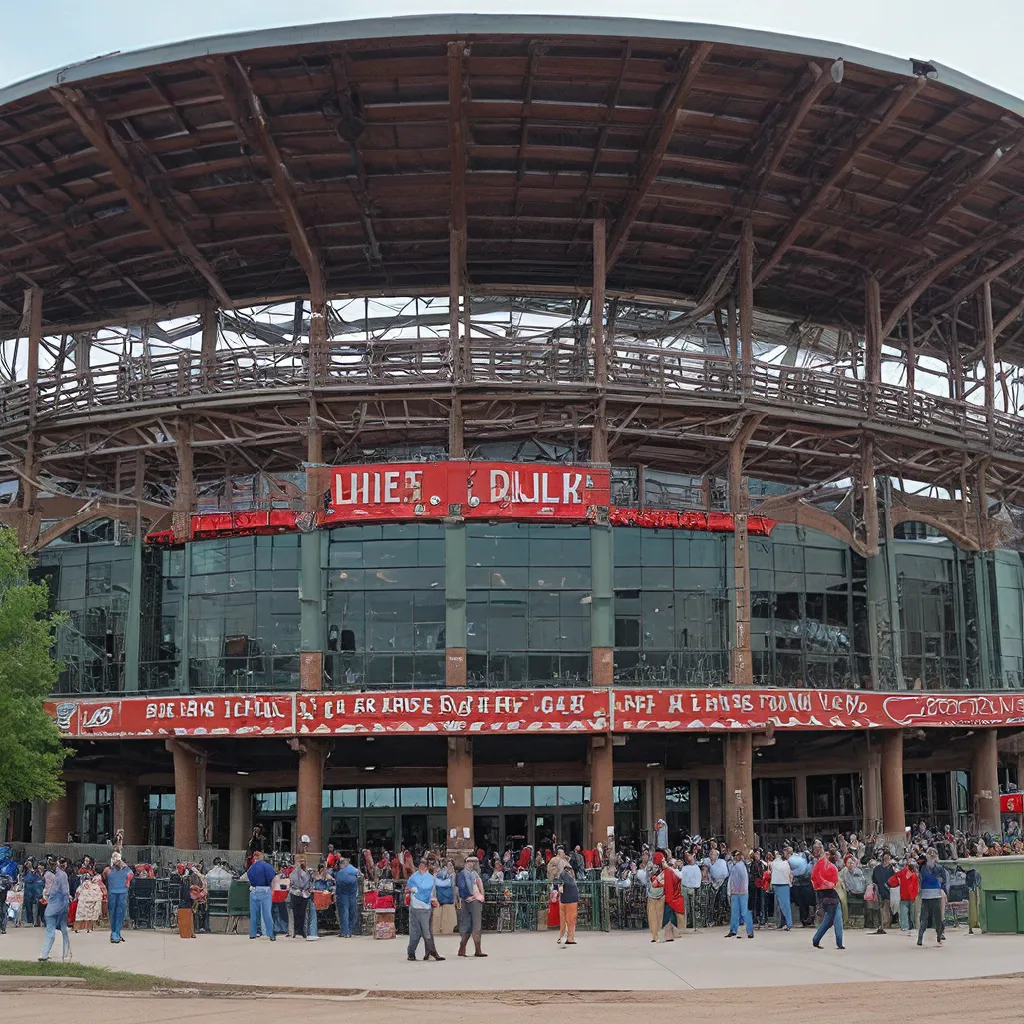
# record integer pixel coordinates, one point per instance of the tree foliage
(31, 751)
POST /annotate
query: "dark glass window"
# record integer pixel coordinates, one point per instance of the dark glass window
(831, 796)
(774, 799)
(528, 604)
(385, 605)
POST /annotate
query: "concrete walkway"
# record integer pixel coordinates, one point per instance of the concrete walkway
(615, 961)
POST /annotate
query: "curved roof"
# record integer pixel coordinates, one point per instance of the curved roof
(340, 156)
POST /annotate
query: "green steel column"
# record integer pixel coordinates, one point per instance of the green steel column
(186, 626)
(311, 619)
(884, 609)
(133, 616)
(602, 605)
(455, 603)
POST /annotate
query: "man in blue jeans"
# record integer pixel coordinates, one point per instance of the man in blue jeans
(346, 894)
(738, 895)
(118, 878)
(260, 876)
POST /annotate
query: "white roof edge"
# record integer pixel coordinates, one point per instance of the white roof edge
(456, 25)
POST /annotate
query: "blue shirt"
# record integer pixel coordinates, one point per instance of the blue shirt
(422, 888)
(117, 881)
(466, 881)
(932, 879)
(799, 866)
(260, 873)
(347, 880)
(444, 888)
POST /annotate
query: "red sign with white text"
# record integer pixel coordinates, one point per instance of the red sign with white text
(441, 712)
(1011, 803)
(433, 712)
(736, 710)
(486, 490)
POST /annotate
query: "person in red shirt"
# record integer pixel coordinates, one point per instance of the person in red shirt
(675, 908)
(825, 878)
(907, 880)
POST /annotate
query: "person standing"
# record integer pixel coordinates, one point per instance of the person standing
(825, 879)
(906, 880)
(58, 900)
(880, 879)
(782, 885)
(568, 904)
(420, 887)
(655, 900)
(675, 906)
(471, 903)
(33, 891)
(90, 903)
(300, 889)
(260, 877)
(933, 881)
(689, 876)
(186, 906)
(346, 894)
(118, 878)
(738, 897)
(661, 835)
(444, 892)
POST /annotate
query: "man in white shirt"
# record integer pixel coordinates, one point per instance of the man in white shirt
(782, 881)
(689, 878)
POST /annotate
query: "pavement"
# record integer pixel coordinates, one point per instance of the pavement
(532, 962)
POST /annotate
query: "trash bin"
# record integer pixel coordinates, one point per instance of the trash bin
(1001, 911)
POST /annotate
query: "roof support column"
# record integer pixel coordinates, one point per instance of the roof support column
(133, 630)
(208, 357)
(911, 357)
(990, 359)
(746, 302)
(311, 611)
(872, 341)
(32, 318)
(741, 670)
(457, 245)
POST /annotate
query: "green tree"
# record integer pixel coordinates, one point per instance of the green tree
(31, 751)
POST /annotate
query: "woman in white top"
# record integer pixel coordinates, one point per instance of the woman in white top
(782, 881)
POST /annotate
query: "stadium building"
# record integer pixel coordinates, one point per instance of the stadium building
(467, 430)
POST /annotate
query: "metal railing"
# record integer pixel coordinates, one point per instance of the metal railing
(403, 363)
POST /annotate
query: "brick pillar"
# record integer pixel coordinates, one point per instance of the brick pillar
(240, 822)
(985, 782)
(189, 786)
(739, 790)
(894, 819)
(128, 812)
(602, 793)
(309, 808)
(62, 814)
(460, 797)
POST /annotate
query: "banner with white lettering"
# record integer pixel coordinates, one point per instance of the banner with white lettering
(487, 490)
(439, 712)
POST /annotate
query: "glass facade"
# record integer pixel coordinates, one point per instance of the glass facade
(224, 615)
(527, 604)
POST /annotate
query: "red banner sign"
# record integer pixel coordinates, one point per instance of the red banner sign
(735, 710)
(485, 490)
(445, 711)
(482, 712)
(1011, 803)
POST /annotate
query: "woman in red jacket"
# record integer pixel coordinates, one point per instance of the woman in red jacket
(906, 879)
(675, 907)
(825, 878)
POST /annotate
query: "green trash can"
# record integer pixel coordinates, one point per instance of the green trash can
(1001, 911)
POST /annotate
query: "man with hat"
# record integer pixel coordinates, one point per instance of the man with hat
(471, 904)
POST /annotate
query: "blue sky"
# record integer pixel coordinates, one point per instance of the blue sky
(981, 39)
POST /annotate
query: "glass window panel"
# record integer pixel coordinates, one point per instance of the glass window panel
(516, 796)
(487, 796)
(413, 796)
(570, 796)
(379, 797)
(438, 796)
(545, 796)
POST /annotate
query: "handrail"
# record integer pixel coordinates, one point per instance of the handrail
(427, 361)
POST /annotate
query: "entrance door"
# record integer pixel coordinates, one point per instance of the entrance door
(486, 832)
(570, 829)
(544, 831)
(516, 831)
(414, 832)
(380, 835)
(281, 833)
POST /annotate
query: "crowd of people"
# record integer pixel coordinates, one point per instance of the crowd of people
(695, 885)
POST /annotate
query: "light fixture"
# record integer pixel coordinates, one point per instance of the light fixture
(241, 773)
(703, 739)
(837, 70)
(369, 768)
(520, 764)
(653, 764)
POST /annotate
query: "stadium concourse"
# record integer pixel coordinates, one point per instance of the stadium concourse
(483, 432)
